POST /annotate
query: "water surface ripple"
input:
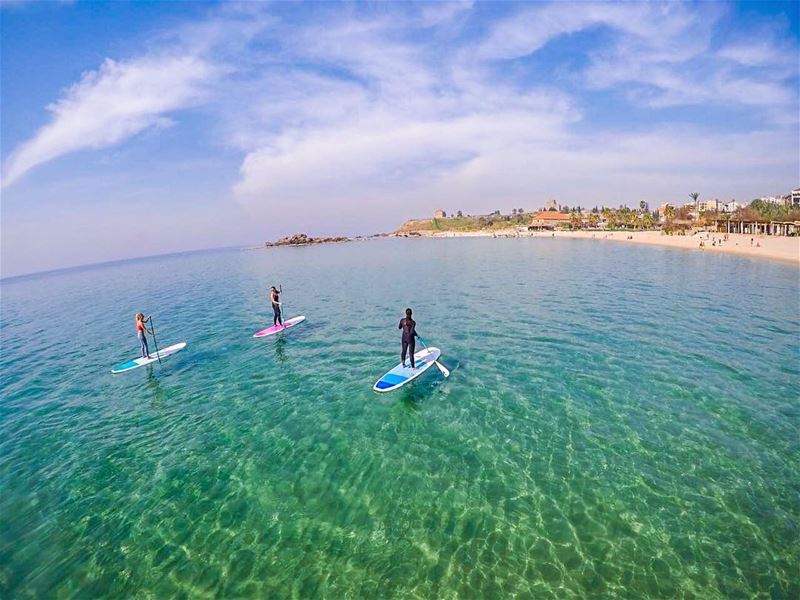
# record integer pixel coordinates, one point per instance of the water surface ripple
(620, 422)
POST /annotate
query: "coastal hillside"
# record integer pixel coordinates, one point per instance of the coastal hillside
(469, 223)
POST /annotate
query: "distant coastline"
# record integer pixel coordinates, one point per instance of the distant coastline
(763, 246)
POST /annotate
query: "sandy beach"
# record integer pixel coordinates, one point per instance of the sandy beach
(773, 247)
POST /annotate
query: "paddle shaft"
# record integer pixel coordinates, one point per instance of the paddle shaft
(155, 341)
(441, 367)
(280, 305)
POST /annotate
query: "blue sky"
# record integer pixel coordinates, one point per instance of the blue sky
(136, 128)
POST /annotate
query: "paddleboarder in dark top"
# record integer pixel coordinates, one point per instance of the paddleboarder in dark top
(409, 327)
(275, 299)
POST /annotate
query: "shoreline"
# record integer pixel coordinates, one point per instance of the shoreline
(786, 249)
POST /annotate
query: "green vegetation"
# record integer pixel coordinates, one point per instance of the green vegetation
(494, 222)
(771, 211)
(623, 218)
(758, 210)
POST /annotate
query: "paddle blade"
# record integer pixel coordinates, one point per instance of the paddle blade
(443, 369)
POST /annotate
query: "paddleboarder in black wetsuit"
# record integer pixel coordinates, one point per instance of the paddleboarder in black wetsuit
(275, 299)
(409, 327)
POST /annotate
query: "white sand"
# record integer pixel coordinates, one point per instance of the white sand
(764, 246)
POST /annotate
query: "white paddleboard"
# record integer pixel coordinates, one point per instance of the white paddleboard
(400, 375)
(273, 329)
(140, 362)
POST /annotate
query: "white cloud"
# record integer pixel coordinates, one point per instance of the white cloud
(109, 105)
(753, 54)
(366, 114)
(664, 51)
(528, 30)
(436, 13)
(387, 121)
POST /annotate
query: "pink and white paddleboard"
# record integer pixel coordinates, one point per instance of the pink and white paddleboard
(288, 324)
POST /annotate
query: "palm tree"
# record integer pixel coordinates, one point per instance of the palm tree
(643, 206)
(694, 196)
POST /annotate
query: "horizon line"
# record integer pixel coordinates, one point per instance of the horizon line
(116, 261)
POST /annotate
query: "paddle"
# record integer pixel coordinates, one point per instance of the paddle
(280, 305)
(155, 341)
(442, 368)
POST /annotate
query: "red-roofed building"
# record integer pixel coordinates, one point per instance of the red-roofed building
(548, 220)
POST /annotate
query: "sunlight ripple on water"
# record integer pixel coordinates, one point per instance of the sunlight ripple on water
(620, 422)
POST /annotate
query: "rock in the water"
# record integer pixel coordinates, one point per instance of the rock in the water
(301, 239)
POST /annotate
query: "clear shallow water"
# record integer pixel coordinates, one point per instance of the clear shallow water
(620, 422)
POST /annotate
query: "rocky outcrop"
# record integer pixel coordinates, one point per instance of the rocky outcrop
(301, 239)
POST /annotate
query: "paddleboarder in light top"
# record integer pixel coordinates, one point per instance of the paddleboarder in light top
(275, 299)
(409, 327)
(141, 330)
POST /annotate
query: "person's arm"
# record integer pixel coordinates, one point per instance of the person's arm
(401, 324)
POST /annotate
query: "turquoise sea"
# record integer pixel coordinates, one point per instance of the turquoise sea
(620, 422)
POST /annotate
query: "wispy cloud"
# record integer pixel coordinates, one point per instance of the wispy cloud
(111, 104)
(417, 118)
(350, 117)
(395, 101)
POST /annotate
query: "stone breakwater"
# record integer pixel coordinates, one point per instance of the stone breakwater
(301, 239)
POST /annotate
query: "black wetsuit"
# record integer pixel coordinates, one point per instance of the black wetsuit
(276, 308)
(409, 327)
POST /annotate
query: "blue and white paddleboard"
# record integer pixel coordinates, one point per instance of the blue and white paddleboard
(400, 375)
(140, 362)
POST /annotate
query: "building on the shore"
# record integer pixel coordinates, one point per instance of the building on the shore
(779, 200)
(439, 214)
(548, 220)
(551, 205)
(757, 226)
(730, 207)
(709, 205)
(794, 198)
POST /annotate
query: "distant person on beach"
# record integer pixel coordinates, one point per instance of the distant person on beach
(141, 330)
(275, 300)
(409, 327)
